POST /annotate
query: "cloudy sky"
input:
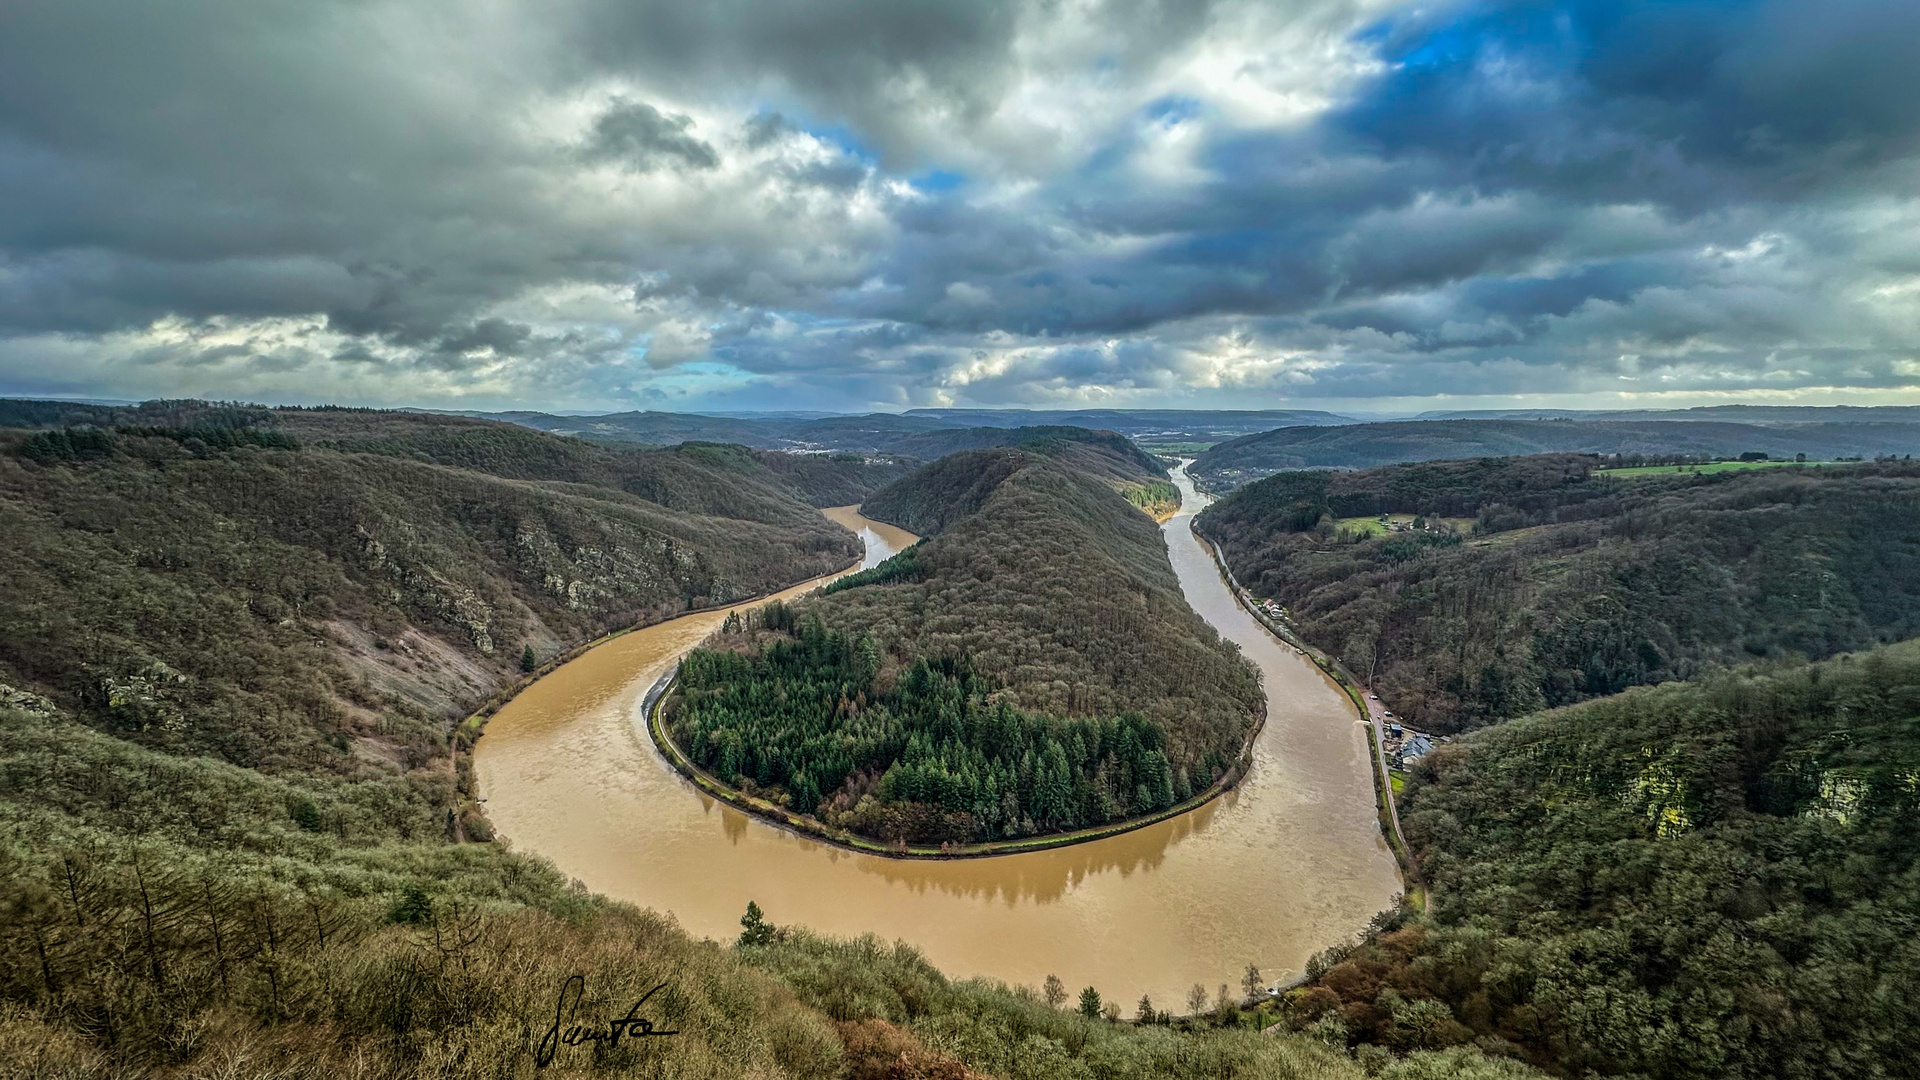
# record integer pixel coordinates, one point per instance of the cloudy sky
(853, 204)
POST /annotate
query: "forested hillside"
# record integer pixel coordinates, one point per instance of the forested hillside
(703, 477)
(1739, 414)
(957, 486)
(1568, 584)
(1099, 453)
(325, 610)
(1031, 667)
(1696, 880)
(700, 477)
(1364, 446)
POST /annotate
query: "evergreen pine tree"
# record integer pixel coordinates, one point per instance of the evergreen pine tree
(754, 927)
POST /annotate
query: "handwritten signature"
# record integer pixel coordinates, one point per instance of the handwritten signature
(566, 1033)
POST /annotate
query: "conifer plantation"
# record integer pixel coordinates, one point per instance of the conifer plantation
(804, 716)
(1029, 668)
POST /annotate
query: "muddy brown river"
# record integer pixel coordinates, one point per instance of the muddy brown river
(1268, 874)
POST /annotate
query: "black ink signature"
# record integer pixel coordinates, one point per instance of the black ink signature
(574, 1034)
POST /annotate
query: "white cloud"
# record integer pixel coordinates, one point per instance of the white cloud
(858, 203)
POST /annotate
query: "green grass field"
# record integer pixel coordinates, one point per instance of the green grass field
(1709, 467)
(1372, 526)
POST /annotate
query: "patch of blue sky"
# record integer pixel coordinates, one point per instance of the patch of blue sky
(698, 377)
(1114, 153)
(843, 138)
(710, 368)
(1452, 37)
(1173, 109)
(1436, 64)
(939, 181)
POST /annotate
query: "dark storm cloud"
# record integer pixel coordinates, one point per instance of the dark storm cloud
(853, 202)
(1685, 103)
(642, 137)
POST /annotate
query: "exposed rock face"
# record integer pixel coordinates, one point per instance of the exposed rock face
(15, 698)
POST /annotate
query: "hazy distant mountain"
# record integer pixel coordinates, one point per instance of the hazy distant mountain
(906, 435)
(1742, 414)
(1201, 424)
(1362, 446)
(860, 434)
(764, 414)
(881, 432)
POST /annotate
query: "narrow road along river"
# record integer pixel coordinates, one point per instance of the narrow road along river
(1269, 874)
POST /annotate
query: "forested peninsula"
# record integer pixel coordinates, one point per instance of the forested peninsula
(1508, 585)
(1030, 668)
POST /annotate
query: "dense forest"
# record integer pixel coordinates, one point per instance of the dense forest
(1716, 879)
(1364, 446)
(1553, 583)
(1030, 667)
(933, 757)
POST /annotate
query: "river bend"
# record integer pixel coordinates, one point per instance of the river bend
(1267, 874)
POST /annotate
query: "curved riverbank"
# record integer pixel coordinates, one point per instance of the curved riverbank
(812, 827)
(1388, 807)
(1268, 873)
(469, 730)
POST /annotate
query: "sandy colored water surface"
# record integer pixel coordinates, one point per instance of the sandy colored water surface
(1268, 874)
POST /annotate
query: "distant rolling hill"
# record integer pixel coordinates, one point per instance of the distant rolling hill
(896, 433)
(1364, 446)
(920, 505)
(886, 442)
(1201, 424)
(873, 433)
(1740, 414)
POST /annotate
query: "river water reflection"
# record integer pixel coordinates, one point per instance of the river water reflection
(1268, 874)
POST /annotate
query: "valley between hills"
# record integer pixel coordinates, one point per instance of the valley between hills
(324, 749)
